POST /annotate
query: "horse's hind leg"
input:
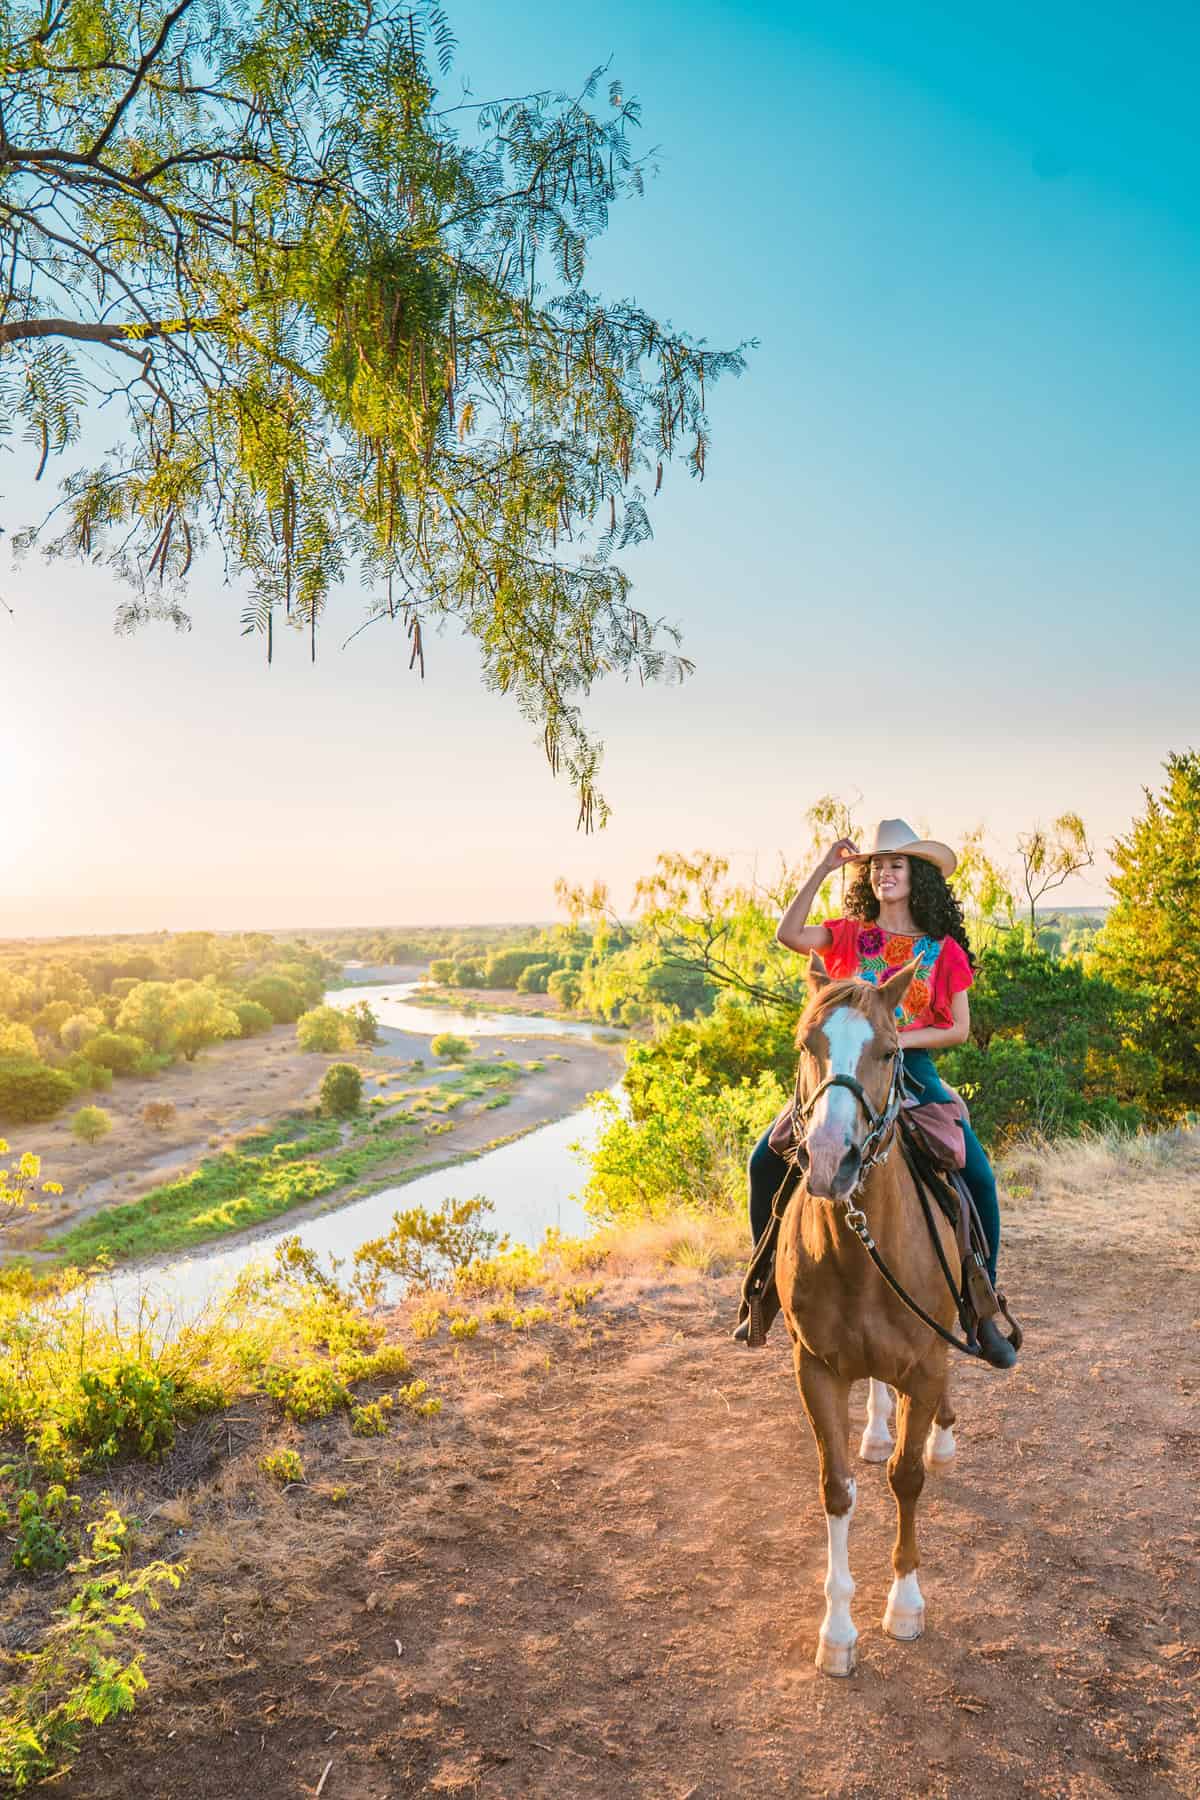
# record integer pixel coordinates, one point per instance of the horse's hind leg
(876, 1445)
(827, 1402)
(940, 1447)
(904, 1616)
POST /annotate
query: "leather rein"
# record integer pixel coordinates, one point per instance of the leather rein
(876, 1147)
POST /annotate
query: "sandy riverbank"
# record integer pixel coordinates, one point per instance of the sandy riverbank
(237, 1087)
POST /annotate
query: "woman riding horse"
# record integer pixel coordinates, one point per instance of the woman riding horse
(899, 909)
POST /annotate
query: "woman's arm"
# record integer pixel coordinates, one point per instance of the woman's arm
(793, 932)
(928, 1037)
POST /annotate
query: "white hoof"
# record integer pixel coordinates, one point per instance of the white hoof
(837, 1659)
(876, 1448)
(940, 1447)
(904, 1617)
(902, 1625)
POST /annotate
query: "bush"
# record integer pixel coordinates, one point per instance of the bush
(283, 998)
(534, 977)
(429, 1249)
(441, 970)
(77, 1030)
(282, 1466)
(90, 1124)
(450, 1047)
(30, 1090)
(341, 1090)
(119, 1051)
(158, 1114)
(16, 1040)
(469, 973)
(564, 986)
(363, 1023)
(324, 1029)
(504, 967)
(252, 1018)
(87, 1074)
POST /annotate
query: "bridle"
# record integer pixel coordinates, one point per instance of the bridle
(876, 1146)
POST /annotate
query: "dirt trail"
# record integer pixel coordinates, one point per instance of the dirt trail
(603, 1567)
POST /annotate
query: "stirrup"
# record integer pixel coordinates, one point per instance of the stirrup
(753, 1326)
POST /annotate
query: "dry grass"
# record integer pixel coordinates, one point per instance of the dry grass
(1123, 1188)
(708, 1244)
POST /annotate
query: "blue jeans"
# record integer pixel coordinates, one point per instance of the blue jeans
(767, 1170)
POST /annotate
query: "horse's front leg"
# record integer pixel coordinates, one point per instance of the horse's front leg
(827, 1402)
(904, 1616)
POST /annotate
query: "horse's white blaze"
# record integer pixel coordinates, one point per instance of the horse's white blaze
(939, 1445)
(835, 1648)
(876, 1445)
(904, 1616)
(847, 1033)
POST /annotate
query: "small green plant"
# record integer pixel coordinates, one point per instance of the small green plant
(427, 1249)
(90, 1124)
(450, 1047)
(371, 1418)
(413, 1397)
(464, 1326)
(341, 1090)
(283, 1466)
(309, 1391)
(425, 1323)
(40, 1544)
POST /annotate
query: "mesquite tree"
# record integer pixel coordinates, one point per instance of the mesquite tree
(342, 321)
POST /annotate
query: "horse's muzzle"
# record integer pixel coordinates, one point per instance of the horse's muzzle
(834, 1168)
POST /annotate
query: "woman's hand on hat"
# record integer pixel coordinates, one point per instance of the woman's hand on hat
(838, 853)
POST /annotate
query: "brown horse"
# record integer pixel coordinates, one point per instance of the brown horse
(846, 1323)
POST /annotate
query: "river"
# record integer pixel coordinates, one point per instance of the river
(530, 1183)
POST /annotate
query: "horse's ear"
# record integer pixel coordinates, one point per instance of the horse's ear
(818, 975)
(893, 990)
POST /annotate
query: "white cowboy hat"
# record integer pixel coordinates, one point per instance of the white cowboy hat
(893, 837)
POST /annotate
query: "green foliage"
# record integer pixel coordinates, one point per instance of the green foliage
(281, 997)
(80, 1676)
(441, 969)
(29, 1090)
(325, 1028)
(371, 1418)
(40, 1543)
(90, 1124)
(535, 976)
(450, 1047)
(283, 1466)
(689, 1144)
(148, 1012)
(252, 1018)
(1151, 939)
(505, 967)
(129, 1410)
(1053, 1048)
(427, 1249)
(470, 973)
(17, 1042)
(341, 1090)
(376, 328)
(309, 1391)
(119, 1051)
(363, 1023)
(564, 986)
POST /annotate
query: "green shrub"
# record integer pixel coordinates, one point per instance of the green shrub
(253, 1019)
(90, 1124)
(130, 1409)
(363, 1023)
(324, 1029)
(503, 968)
(310, 1391)
(341, 1090)
(564, 986)
(88, 1075)
(450, 1047)
(40, 1544)
(371, 1419)
(119, 1051)
(534, 977)
(282, 997)
(469, 973)
(31, 1090)
(428, 1249)
(282, 1466)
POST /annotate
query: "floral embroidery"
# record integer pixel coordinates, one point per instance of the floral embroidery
(881, 953)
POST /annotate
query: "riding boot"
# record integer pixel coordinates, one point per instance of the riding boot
(997, 1350)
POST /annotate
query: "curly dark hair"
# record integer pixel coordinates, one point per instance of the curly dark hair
(931, 902)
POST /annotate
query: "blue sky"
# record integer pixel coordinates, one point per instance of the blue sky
(946, 555)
